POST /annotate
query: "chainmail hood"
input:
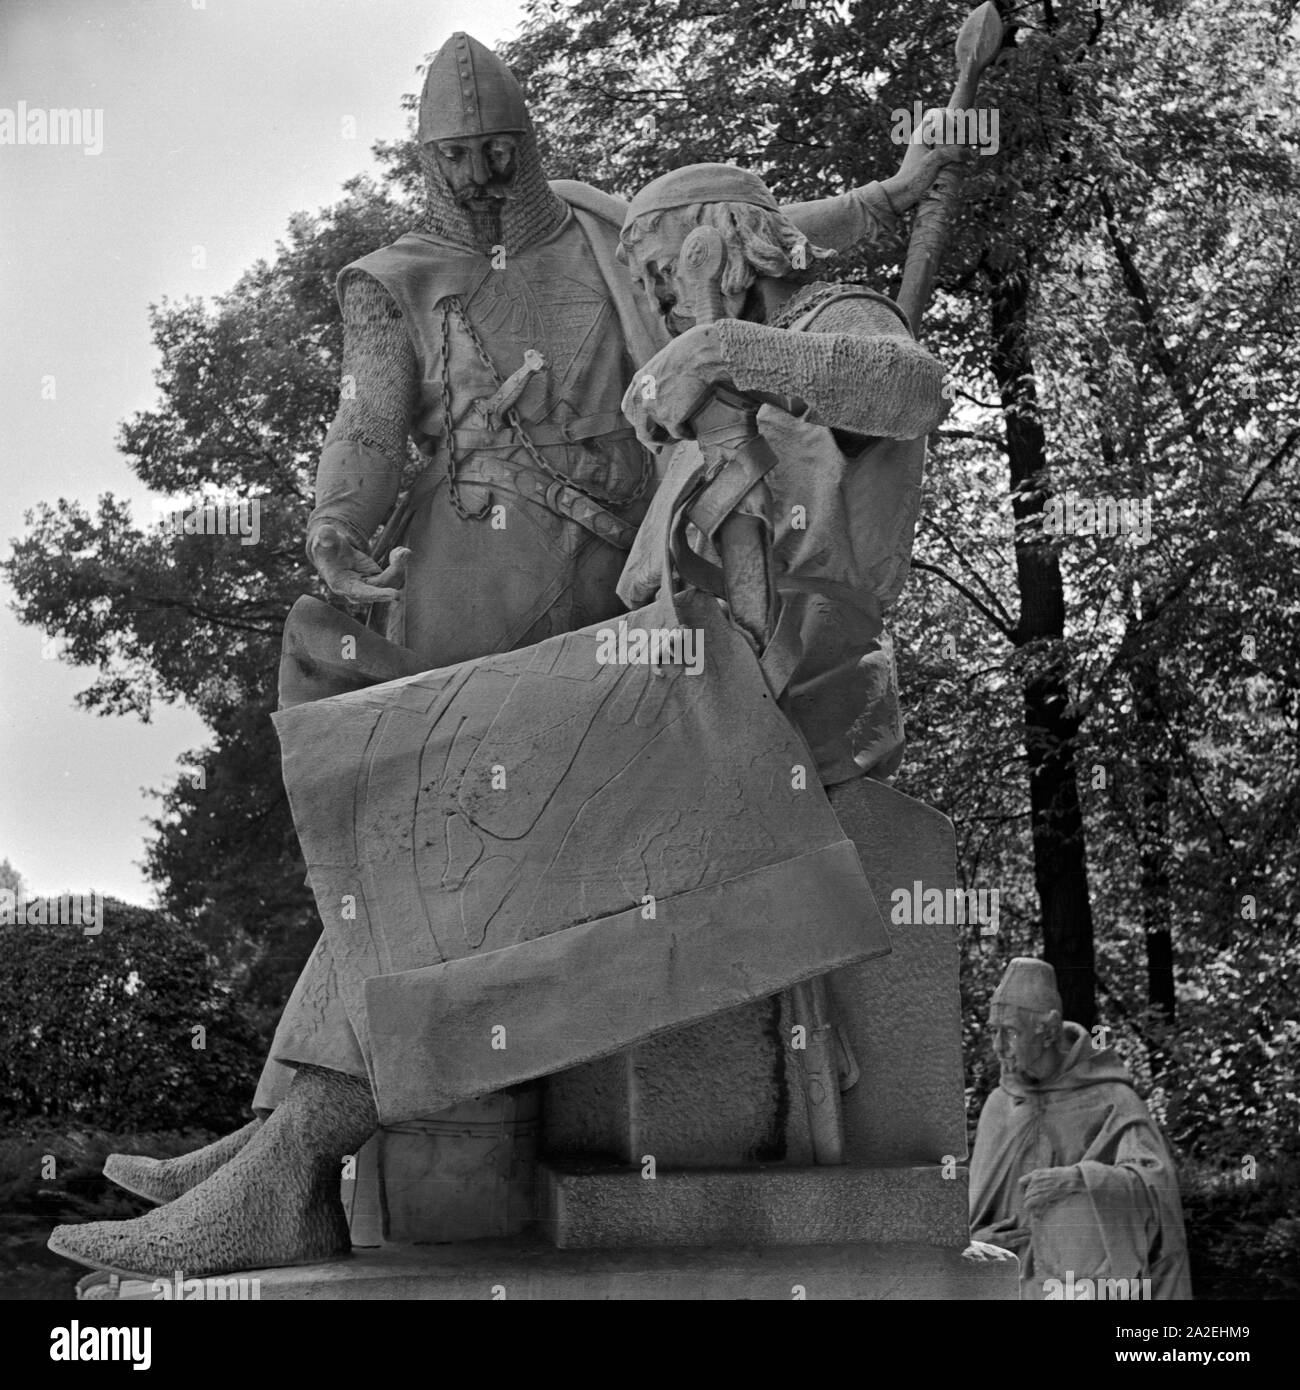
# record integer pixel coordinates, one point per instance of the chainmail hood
(470, 92)
(529, 215)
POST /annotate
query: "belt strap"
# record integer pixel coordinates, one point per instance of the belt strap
(749, 463)
(560, 498)
(611, 424)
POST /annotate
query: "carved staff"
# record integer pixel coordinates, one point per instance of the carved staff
(977, 43)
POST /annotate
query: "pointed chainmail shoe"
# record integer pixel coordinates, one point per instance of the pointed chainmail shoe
(160, 1180)
(276, 1202)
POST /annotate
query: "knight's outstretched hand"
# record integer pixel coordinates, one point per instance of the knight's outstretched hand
(673, 384)
(349, 571)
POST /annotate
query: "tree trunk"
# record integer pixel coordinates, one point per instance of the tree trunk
(1153, 842)
(1051, 729)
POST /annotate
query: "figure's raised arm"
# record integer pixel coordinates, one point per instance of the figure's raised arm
(875, 210)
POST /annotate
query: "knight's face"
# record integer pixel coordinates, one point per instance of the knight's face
(480, 170)
(653, 263)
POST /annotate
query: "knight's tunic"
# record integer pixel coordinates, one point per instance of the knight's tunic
(541, 494)
(521, 571)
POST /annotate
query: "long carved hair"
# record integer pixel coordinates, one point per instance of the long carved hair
(759, 242)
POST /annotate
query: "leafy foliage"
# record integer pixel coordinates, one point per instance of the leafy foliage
(101, 1028)
(51, 1174)
(1243, 1234)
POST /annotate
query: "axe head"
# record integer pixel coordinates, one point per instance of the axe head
(979, 39)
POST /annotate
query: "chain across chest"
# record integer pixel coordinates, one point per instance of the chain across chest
(497, 411)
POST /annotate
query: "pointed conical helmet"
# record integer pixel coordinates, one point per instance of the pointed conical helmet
(469, 91)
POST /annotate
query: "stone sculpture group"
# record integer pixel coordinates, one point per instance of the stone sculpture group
(533, 859)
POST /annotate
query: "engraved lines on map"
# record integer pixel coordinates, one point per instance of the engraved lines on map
(428, 833)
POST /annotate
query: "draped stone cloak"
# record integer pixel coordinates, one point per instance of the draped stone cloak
(1127, 1223)
(536, 858)
(566, 298)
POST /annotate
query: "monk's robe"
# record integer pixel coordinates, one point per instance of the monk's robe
(1126, 1224)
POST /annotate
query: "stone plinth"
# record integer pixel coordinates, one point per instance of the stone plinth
(902, 1013)
(522, 1270)
(468, 1175)
(723, 1092)
(590, 1207)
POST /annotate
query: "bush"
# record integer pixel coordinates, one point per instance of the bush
(127, 1029)
(1243, 1234)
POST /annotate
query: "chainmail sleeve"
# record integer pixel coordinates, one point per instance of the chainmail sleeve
(361, 463)
(858, 369)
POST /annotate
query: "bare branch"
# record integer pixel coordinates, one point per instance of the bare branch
(978, 604)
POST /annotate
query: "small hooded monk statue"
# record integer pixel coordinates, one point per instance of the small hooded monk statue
(1069, 1171)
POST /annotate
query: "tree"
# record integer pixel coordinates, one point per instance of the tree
(124, 1028)
(11, 879)
(247, 388)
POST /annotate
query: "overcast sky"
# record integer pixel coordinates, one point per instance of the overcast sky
(220, 119)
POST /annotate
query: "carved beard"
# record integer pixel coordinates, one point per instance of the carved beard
(485, 223)
(529, 212)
